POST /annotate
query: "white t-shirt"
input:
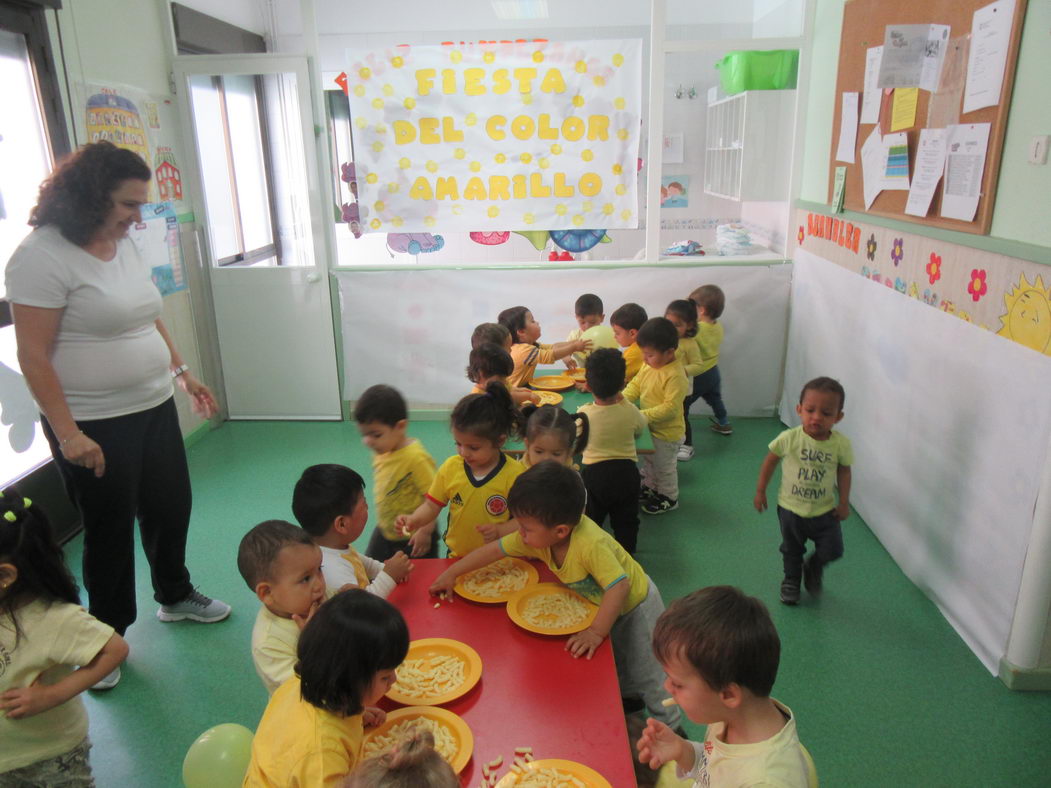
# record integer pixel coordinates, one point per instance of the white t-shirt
(108, 354)
(56, 637)
(339, 569)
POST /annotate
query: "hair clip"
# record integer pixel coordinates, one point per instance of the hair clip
(10, 516)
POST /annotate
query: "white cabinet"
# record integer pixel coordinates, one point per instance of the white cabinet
(748, 147)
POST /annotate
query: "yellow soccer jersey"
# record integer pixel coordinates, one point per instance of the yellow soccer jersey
(472, 502)
(401, 478)
(594, 562)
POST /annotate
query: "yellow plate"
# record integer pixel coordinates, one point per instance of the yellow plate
(552, 382)
(441, 647)
(532, 578)
(461, 733)
(516, 606)
(585, 774)
(549, 397)
(577, 374)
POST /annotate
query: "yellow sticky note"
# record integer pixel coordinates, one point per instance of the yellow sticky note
(903, 115)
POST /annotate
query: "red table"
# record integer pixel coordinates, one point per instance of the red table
(532, 692)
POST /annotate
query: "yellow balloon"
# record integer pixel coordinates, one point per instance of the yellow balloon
(218, 758)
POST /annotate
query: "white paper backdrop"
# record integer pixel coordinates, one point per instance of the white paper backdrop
(950, 436)
(412, 328)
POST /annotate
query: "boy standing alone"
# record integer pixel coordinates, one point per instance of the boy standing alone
(814, 454)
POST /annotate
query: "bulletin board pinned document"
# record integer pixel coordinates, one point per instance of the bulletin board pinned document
(929, 83)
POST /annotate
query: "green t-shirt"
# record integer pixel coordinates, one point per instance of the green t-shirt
(808, 470)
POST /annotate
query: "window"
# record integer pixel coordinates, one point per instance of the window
(32, 134)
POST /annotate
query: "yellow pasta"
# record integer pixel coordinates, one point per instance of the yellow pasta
(547, 778)
(555, 611)
(444, 741)
(430, 677)
(498, 579)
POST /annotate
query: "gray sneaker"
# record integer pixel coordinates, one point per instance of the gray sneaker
(109, 681)
(196, 607)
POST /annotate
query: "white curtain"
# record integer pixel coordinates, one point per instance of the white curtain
(950, 429)
(412, 328)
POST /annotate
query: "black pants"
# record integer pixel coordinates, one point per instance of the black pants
(613, 489)
(146, 477)
(381, 548)
(709, 386)
(824, 530)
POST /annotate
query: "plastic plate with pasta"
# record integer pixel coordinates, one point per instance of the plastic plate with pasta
(452, 737)
(554, 773)
(551, 609)
(436, 670)
(552, 382)
(549, 397)
(497, 582)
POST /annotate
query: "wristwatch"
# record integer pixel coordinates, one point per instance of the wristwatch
(179, 370)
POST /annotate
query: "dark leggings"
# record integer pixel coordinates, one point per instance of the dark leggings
(613, 489)
(709, 386)
(146, 478)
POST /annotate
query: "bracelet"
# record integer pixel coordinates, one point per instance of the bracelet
(180, 370)
(62, 443)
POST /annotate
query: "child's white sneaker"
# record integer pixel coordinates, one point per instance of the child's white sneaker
(685, 453)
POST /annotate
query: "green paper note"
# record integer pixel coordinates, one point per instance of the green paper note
(838, 189)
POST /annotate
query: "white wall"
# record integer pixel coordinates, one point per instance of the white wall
(246, 14)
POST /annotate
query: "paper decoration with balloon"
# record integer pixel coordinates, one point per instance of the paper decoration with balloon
(490, 239)
(414, 243)
(577, 240)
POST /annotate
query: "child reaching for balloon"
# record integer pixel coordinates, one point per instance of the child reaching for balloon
(44, 635)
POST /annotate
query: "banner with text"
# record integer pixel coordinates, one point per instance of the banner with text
(493, 136)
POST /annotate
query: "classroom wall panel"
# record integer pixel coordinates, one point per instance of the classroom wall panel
(949, 440)
(412, 328)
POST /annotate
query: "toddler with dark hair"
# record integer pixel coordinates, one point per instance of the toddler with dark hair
(329, 503)
(547, 502)
(721, 652)
(609, 467)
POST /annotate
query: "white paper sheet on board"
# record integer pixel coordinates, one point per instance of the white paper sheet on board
(990, 39)
(965, 150)
(930, 164)
(870, 101)
(913, 56)
(848, 128)
(873, 164)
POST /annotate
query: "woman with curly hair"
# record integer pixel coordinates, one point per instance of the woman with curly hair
(100, 364)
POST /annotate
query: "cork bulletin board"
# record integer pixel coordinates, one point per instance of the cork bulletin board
(864, 25)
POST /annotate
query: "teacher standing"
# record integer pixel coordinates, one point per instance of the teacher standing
(100, 364)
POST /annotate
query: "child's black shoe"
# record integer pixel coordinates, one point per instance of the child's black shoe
(790, 592)
(812, 573)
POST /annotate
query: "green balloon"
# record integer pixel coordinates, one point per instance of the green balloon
(219, 758)
(536, 237)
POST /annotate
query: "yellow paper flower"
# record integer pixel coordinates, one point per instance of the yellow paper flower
(372, 177)
(625, 214)
(587, 206)
(620, 188)
(599, 81)
(622, 134)
(404, 162)
(359, 90)
(380, 206)
(456, 56)
(561, 209)
(500, 158)
(527, 98)
(489, 57)
(608, 209)
(361, 123)
(475, 166)
(375, 224)
(543, 163)
(528, 218)
(397, 221)
(617, 169)
(432, 166)
(388, 89)
(556, 149)
(459, 153)
(430, 221)
(493, 212)
(409, 103)
(587, 155)
(393, 187)
(578, 220)
(377, 103)
(618, 60)
(470, 119)
(578, 100)
(364, 73)
(580, 67)
(380, 128)
(397, 61)
(619, 102)
(525, 158)
(377, 146)
(538, 57)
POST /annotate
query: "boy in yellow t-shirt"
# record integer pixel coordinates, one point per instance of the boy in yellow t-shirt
(547, 501)
(626, 322)
(660, 388)
(589, 314)
(707, 385)
(721, 652)
(402, 472)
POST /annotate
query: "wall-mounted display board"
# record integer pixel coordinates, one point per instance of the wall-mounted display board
(954, 86)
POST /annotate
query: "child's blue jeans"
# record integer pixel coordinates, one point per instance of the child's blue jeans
(707, 385)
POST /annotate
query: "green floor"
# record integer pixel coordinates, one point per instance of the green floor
(885, 692)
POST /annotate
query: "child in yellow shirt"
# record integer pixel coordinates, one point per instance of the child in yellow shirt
(475, 481)
(710, 301)
(547, 502)
(527, 351)
(491, 362)
(626, 322)
(589, 315)
(553, 434)
(312, 730)
(402, 472)
(660, 388)
(683, 315)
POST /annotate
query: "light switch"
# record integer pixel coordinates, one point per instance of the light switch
(1038, 149)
